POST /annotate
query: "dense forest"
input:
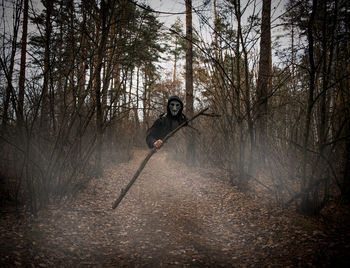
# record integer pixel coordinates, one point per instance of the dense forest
(81, 82)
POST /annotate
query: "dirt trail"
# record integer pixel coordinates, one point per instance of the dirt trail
(171, 217)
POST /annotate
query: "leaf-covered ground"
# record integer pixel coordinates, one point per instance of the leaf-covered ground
(173, 216)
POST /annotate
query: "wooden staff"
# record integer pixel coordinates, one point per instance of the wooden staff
(154, 150)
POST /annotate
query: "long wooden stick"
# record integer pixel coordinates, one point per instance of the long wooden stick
(151, 152)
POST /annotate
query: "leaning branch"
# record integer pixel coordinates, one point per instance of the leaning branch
(154, 150)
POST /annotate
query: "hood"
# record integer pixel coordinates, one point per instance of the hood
(179, 100)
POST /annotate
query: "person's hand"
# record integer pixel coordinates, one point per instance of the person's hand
(158, 144)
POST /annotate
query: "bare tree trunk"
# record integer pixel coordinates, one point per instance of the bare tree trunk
(116, 91)
(21, 91)
(264, 78)
(71, 40)
(22, 74)
(45, 92)
(82, 62)
(124, 92)
(239, 111)
(6, 99)
(149, 95)
(305, 205)
(97, 75)
(216, 21)
(137, 97)
(293, 59)
(289, 130)
(175, 63)
(328, 52)
(189, 79)
(144, 98)
(129, 95)
(243, 179)
(107, 77)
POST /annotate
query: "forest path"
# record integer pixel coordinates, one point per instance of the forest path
(173, 216)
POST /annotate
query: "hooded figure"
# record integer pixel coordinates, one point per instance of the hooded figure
(166, 122)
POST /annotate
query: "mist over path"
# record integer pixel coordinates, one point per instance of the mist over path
(173, 216)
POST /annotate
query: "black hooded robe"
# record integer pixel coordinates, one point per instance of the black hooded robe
(165, 124)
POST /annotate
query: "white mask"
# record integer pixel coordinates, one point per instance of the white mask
(174, 107)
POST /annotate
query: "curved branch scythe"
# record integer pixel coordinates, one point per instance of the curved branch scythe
(154, 150)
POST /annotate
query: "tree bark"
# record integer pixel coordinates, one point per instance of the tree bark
(238, 97)
(175, 62)
(129, 104)
(7, 95)
(246, 94)
(305, 204)
(189, 79)
(137, 97)
(22, 74)
(45, 92)
(216, 21)
(98, 94)
(82, 61)
(264, 76)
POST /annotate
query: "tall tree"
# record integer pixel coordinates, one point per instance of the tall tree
(6, 100)
(189, 77)
(104, 28)
(264, 75)
(305, 205)
(23, 65)
(47, 46)
(178, 43)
